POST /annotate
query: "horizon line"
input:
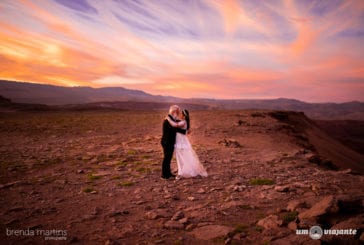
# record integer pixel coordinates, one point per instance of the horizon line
(185, 98)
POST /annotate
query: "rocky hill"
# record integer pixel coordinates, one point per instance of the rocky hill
(30, 93)
(96, 175)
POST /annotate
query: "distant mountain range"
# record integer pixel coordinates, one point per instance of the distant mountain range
(84, 98)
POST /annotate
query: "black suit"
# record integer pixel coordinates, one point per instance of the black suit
(168, 141)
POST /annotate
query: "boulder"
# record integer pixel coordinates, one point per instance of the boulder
(270, 222)
(209, 232)
(327, 205)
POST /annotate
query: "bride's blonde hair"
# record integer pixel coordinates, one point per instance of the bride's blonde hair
(173, 108)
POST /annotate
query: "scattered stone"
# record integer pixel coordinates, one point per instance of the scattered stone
(87, 217)
(240, 236)
(301, 185)
(292, 226)
(238, 188)
(315, 187)
(191, 198)
(215, 177)
(59, 200)
(209, 232)
(284, 188)
(201, 191)
(118, 213)
(190, 227)
(270, 222)
(177, 216)
(183, 220)
(233, 204)
(156, 214)
(174, 225)
(347, 171)
(60, 181)
(296, 204)
(238, 181)
(228, 240)
(80, 171)
(151, 215)
(203, 224)
(230, 143)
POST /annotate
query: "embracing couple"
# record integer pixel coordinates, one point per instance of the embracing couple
(174, 138)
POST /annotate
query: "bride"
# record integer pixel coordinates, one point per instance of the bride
(187, 160)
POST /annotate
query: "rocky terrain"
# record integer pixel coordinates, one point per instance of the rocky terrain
(96, 175)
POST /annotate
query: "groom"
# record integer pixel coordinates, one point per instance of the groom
(168, 141)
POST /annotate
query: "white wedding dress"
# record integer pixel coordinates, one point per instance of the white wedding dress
(188, 163)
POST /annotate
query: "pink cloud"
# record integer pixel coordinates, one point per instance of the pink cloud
(220, 49)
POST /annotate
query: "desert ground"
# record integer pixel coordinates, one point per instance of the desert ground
(96, 175)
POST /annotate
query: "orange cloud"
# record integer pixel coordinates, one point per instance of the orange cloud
(288, 49)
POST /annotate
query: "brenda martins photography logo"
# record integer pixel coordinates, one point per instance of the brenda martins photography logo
(53, 234)
(316, 232)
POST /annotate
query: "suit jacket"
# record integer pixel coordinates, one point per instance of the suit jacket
(169, 133)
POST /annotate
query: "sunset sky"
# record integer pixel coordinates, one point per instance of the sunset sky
(306, 50)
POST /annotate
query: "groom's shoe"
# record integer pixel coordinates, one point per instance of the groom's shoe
(172, 176)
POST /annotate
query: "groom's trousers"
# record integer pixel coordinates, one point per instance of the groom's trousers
(166, 165)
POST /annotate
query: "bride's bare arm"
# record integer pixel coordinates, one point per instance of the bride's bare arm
(176, 124)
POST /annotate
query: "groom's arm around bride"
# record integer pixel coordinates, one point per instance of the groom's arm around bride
(168, 140)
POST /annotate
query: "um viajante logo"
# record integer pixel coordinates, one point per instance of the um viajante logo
(316, 232)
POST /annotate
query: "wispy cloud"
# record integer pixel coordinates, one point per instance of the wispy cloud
(309, 50)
